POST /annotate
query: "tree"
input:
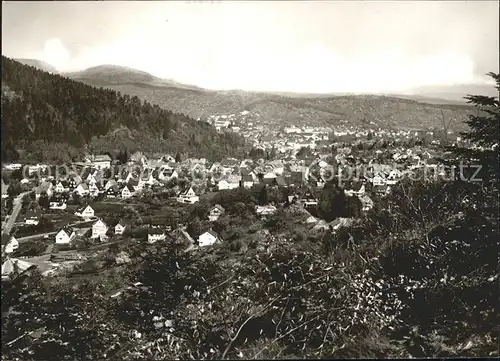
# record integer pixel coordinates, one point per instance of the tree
(194, 228)
(178, 158)
(44, 201)
(484, 134)
(332, 202)
(263, 197)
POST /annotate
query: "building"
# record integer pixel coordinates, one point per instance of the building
(11, 245)
(188, 197)
(247, 181)
(229, 183)
(102, 161)
(85, 212)
(208, 238)
(60, 205)
(32, 218)
(128, 191)
(120, 227)
(99, 229)
(82, 190)
(216, 212)
(65, 235)
(265, 211)
(156, 234)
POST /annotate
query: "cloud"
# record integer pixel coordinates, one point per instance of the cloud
(55, 53)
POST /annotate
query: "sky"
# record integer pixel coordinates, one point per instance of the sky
(310, 46)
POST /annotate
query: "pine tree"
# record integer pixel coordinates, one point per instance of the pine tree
(483, 135)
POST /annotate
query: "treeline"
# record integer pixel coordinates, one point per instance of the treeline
(40, 106)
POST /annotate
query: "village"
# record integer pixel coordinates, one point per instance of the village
(58, 207)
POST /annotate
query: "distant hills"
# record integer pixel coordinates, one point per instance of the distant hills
(40, 109)
(423, 109)
(39, 64)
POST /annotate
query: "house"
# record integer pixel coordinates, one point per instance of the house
(308, 199)
(216, 212)
(102, 161)
(377, 180)
(73, 182)
(382, 189)
(156, 234)
(146, 179)
(229, 183)
(208, 238)
(61, 187)
(85, 212)
(366, 202)
(93, 189)
(247, 181)
(82, 190)
(265, 211)
(13, 266)
(188, 197)
(110, 183)
(11, 245)
(65, 235)
(355, 188)
(32, 218)
(127, 191)
(168, 159)
(113, 191)
(167, 174)
(99, 229)
(120, 227)
(60, 205)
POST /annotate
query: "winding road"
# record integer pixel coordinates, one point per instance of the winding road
(17, 205)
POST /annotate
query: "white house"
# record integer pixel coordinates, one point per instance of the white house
(60, 188)
(208, 238)
(120, 227)
(85, 212)
(11, 245)
(57, 205)
(99, 229)
(188, 197)
(156, 234)
(128, 191)
(93, 189)
(378, 181)
(102, 161)
(216, 212)
(265, 210)
(228, 183)
(82, 190)
(65, 235)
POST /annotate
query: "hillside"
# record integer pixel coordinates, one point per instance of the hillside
(40, 107)
(105, 75)
(322, 110)
(381, 111)
(113, 74)
(39, 64)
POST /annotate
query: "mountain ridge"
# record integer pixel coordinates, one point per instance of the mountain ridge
(40, 109)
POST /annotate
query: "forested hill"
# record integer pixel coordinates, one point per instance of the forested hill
(46, 109)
